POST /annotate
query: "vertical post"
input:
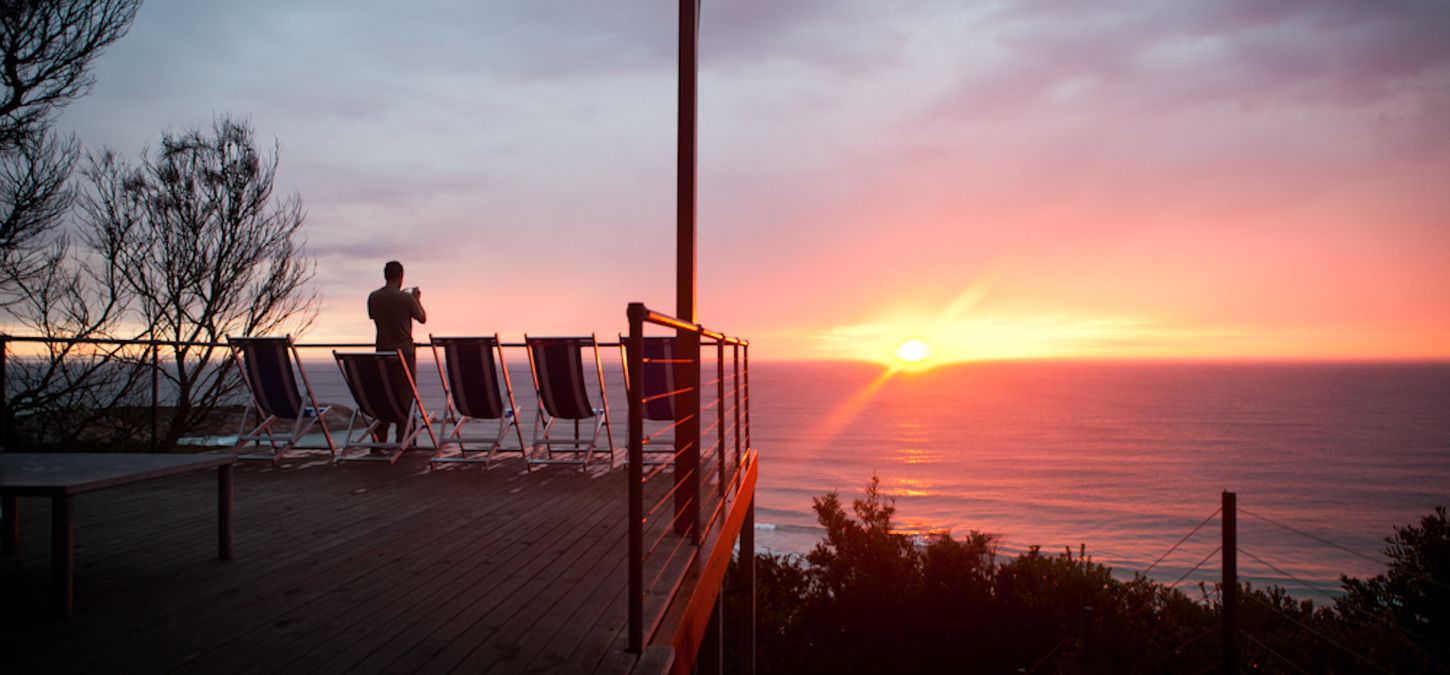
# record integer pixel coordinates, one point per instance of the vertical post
(635, 367)
(62, 556)
(1230, 581)
(685, 163)
(224, 512)
(10, 523)
(720, 411)
(155, 391)
(687, 434)
(745, 632)
(735, 386)
(5, 428)
(747, 397)
(709, 659)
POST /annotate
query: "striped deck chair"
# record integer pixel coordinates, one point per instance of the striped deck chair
(385, 392)
(470, 379)
(267, 366)
(659, 394)
(558, 370)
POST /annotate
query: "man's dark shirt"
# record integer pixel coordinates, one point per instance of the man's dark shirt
(393, 311)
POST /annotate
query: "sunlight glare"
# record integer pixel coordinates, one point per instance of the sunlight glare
(913, 351)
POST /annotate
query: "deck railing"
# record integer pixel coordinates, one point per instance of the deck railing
(150, 354)
(688, 527)
(701, 494)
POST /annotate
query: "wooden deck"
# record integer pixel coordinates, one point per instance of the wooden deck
(359, 568)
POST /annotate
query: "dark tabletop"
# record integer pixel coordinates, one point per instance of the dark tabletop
(53, 474)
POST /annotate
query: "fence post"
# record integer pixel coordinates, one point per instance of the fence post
(1230, 586)
(635, 368)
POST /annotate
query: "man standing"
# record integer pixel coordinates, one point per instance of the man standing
(393, 311)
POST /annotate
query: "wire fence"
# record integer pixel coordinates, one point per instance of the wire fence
(1276, 612)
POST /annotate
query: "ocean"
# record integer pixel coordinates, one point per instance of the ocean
(1123, 459)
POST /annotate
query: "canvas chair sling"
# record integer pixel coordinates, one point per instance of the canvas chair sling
(385, 393)
(266, 365)
(469, 372)
(658, 373)
(557, 366)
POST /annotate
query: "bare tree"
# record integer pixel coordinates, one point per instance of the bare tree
(34, 197)
(46, 49)
(81, 389)
(202, 251)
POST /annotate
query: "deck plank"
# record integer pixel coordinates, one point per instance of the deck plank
(485, 562)
(360, 568)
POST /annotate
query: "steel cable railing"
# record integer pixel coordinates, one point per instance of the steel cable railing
(708, 483)
(706, 487)
(65, 347)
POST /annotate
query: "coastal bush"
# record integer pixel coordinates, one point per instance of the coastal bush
(869, 599)
(1407, 609)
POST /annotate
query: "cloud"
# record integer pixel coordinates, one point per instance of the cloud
(1176, 54)
(855, 155)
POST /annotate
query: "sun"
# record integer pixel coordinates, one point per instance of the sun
(913, 351)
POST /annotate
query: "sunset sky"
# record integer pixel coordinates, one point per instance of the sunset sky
(1185, 178)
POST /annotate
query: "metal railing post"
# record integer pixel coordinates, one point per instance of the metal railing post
(155, 392)
(687, 435)
(636, 476)
(720, 411)
(6, 430)
(747, 397)
(735, 386)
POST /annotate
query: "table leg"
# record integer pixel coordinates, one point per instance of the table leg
(62, 556)
(224, 512)
(11, 526)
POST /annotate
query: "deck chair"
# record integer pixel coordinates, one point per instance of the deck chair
(385, 392)
(471, 385)
(558, 370)
(269, 367)
(659, 394)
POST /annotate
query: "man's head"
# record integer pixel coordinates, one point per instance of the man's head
(393, 273)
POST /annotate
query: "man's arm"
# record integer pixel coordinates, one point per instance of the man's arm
(418, 312)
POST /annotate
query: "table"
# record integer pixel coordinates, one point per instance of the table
(62, 476)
